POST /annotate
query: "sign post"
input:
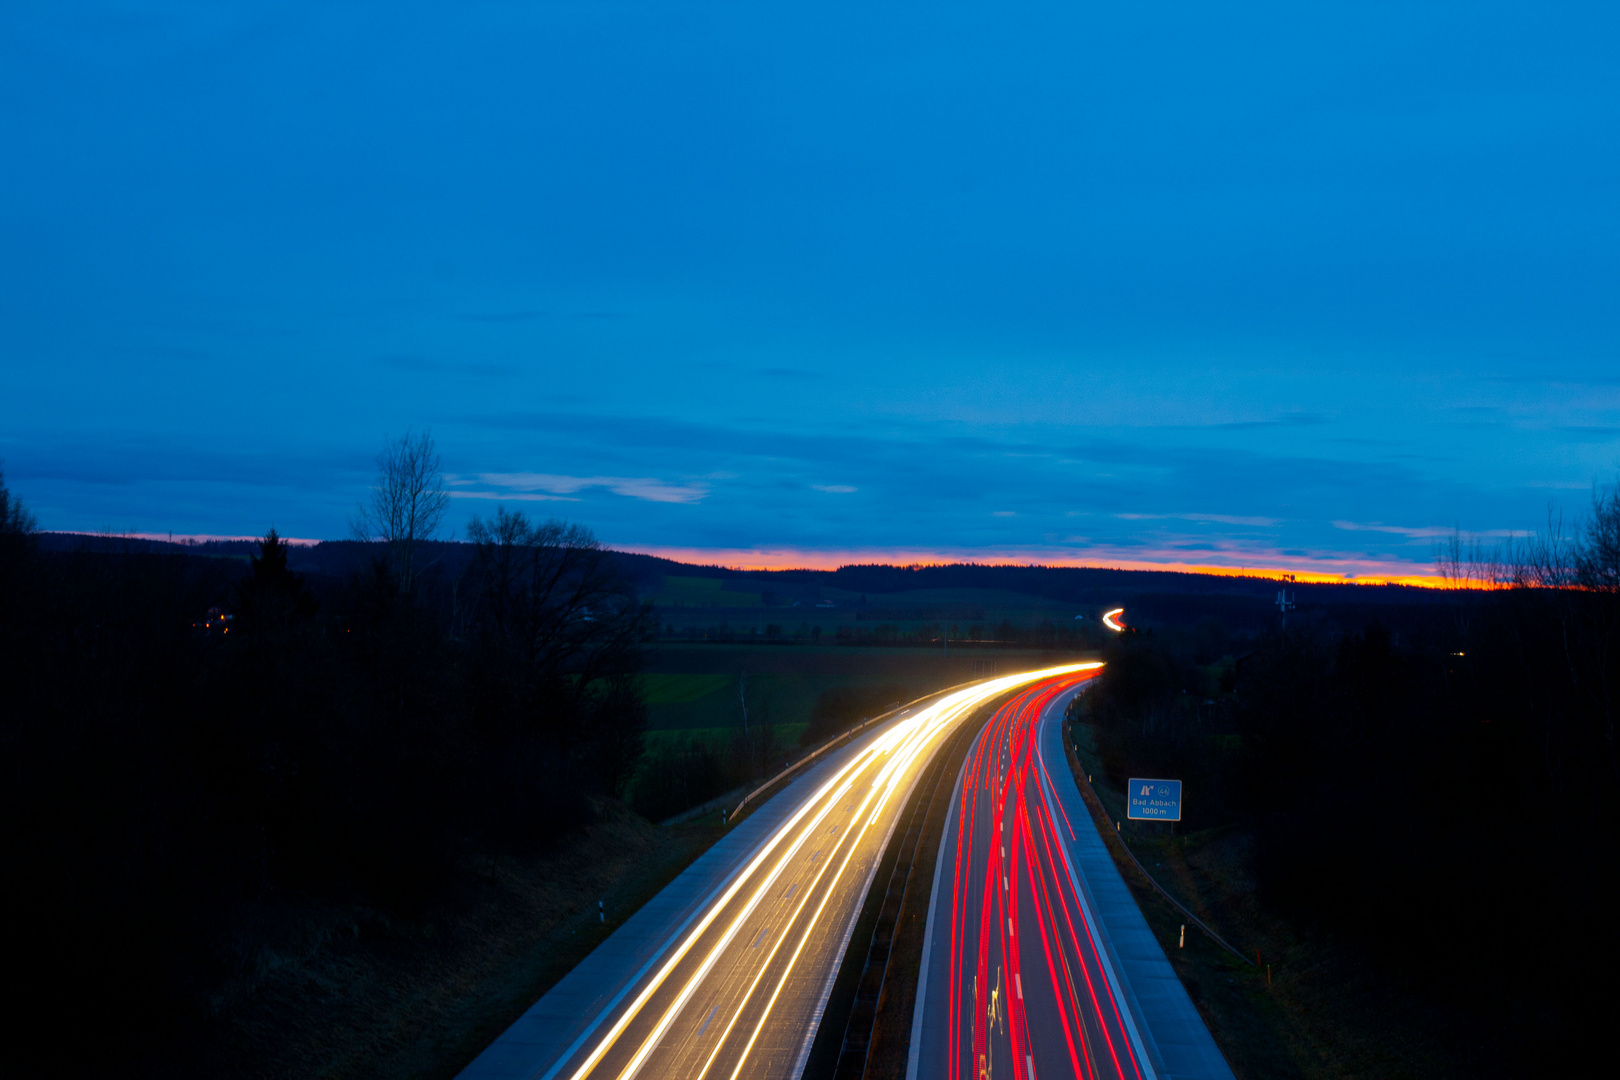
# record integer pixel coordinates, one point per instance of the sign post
(1154, 800)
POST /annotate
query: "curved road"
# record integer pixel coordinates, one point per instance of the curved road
(738, 985)
(1037, 961)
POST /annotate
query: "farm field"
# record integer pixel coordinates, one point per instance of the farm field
(699, 691)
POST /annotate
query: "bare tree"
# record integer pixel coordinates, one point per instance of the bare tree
(1572, 571)
(545, 593)
(1597, 559)
(407, 504)
(559, 631)
(15, 520)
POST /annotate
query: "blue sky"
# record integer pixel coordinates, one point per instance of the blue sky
(1149, 282)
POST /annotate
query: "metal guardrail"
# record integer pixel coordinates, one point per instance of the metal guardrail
(857, 729)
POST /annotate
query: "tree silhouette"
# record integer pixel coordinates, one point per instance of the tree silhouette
(272, 595)
(407, 504)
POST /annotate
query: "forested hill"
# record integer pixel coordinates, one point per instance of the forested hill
(1151, 591)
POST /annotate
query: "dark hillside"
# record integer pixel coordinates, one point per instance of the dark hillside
(1434, 794)
(216, 764)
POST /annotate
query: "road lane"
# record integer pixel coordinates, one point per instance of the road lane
(740, 988)
(1021, 974)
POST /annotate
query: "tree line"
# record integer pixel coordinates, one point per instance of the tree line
(1440, 787)
(195, 756)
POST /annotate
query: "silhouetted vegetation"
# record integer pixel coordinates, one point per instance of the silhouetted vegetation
(1441, 788)
(691, 770)
(195, 758)
(842, 707)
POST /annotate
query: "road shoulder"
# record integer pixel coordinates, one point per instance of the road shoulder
(1177, 1039)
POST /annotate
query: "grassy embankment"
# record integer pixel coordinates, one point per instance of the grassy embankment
(373, 997)
(1320, 1012)
(421, 998)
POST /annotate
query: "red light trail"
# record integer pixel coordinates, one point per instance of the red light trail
(1030, 989)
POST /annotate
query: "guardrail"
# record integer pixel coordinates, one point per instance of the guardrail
(857, 729)
(808, 758)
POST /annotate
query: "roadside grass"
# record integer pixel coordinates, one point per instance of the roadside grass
(1322, 1013)
(421, 999)
(373, 997)
(720, 738)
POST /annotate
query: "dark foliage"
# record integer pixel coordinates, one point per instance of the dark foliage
(691, 771)
(841, 707)
(687, 774)
(179, 785)
(1441, 788)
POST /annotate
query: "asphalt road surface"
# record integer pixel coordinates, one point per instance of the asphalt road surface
(1022, 978)
(739, 988)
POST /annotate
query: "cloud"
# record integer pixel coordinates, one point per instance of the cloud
(836, 489)
(1426, 532)
(514, 496)
(1221, 519)
(634, 487)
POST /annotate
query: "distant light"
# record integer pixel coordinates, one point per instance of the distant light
(1111, 622)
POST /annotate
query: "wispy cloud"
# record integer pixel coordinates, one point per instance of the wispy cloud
(1221, 519)
(835, 489)
(1425, 532)
(514, 496)
(633, 487)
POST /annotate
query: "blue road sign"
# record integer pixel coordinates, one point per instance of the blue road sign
(1154, 800)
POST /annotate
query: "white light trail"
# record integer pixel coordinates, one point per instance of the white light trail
(903, 745)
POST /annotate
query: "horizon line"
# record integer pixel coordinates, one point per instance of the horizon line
(1318, 571)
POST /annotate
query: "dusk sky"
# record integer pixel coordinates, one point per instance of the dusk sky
(1238, 285)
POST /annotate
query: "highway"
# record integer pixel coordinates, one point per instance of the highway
(1025, 974)
(738, 987)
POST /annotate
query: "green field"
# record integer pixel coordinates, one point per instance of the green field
(682, 688)
(702, 592)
